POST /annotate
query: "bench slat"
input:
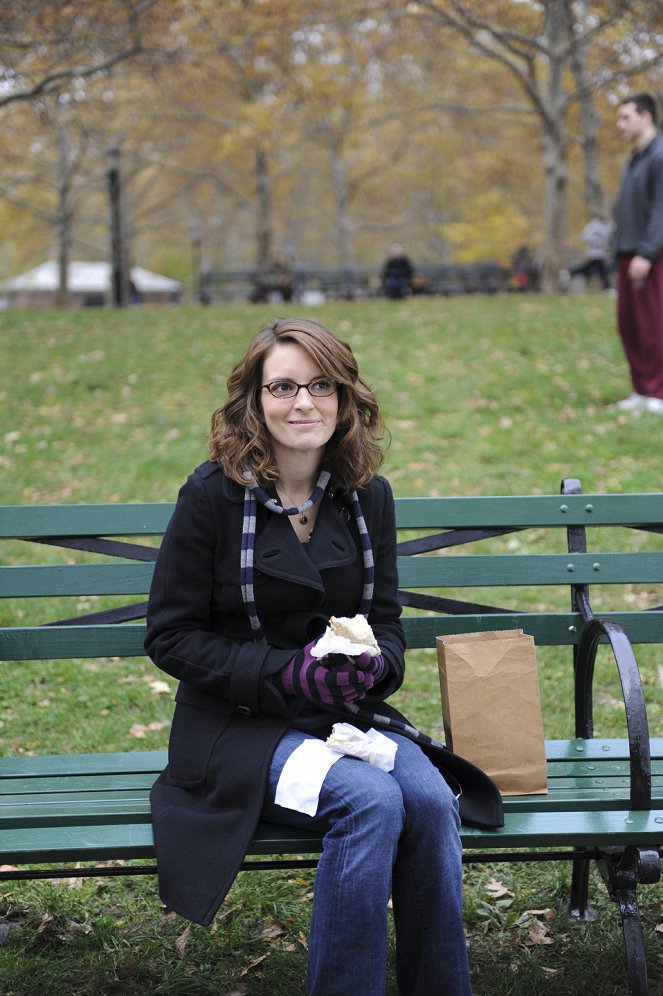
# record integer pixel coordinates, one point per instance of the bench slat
(154, 761)
(132, 805)
(597, 748)
(557, 828)
(535, 829)
(128, 841)
(63, 786)
(529, 510)
(125, 578)
(25, 643)
(529, 569)
(18, 791)
(128, 578)
(151, 518)
(19, 643)
(83, 764)
(64, 792)
(123, 519)
(548, 629)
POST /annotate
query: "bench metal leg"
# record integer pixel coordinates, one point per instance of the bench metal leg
(579, 907)
(622, 870)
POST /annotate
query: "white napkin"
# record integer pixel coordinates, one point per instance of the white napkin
(330, 643)
(302, 776)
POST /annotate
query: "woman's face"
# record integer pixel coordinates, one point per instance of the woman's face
(302, 424)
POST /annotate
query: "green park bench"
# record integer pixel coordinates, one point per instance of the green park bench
(605, 796)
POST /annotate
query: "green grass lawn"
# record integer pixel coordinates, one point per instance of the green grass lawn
(503, 395)
(481, 395)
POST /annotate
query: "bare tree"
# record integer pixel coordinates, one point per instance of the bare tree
(537, 45)
(45, 45)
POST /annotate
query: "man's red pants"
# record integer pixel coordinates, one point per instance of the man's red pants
(640, 323)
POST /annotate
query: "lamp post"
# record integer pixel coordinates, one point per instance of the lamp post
(119, 280)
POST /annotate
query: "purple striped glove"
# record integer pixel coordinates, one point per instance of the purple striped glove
(304, 676)
(333, 680)
(375, 666)
(348, 682)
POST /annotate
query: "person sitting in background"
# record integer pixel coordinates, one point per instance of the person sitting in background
(524, 274)
(274, 282)
(397, 272)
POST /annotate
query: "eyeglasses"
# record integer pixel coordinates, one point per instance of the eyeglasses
(318, 388)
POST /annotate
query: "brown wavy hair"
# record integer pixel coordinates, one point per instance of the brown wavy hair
(239, 439)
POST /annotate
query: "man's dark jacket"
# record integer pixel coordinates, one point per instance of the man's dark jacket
(229, 715)
(639, 206)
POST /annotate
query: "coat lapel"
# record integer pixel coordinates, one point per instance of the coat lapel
(280, 554)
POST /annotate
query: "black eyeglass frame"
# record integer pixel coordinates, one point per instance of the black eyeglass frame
(289, 397)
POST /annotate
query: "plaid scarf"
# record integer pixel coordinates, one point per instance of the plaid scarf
(253, 494)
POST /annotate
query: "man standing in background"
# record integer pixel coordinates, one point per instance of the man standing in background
(639, 249)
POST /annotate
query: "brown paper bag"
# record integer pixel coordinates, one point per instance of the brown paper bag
(491, 706)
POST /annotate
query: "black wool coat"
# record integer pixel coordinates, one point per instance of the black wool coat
(229, 716)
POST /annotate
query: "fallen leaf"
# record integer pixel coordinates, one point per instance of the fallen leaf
(139, 730)
(496, 889)
(159, 687)
(45, 920)
(79, 928)
(538, 934)
(548, 915)
(256, 961)
(181, 942)
(272, 930)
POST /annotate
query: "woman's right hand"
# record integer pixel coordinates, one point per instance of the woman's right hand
(333, 680)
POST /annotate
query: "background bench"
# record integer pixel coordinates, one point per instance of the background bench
(605, 796)
(355, 282)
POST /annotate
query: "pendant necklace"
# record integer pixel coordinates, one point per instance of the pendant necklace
(303, 517)
(274, 505)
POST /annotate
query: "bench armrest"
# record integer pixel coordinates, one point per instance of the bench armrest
(634, 700)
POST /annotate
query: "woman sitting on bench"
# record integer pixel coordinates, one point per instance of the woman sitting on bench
(286, 525)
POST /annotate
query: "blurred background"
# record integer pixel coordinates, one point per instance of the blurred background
(211, 135)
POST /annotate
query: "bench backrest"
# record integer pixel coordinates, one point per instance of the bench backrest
(460, 559)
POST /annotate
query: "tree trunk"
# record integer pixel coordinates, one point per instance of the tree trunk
(345, 255)
(119, 270)
(63, 224)
(554, 208)
(264, 220)
(554, 148)
(589, 125)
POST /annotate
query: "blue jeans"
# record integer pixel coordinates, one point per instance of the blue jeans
(397, 834)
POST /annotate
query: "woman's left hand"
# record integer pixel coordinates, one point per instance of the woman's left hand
(354, 676)
(373, 665)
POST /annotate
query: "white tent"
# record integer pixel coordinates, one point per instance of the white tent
(88, 284)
